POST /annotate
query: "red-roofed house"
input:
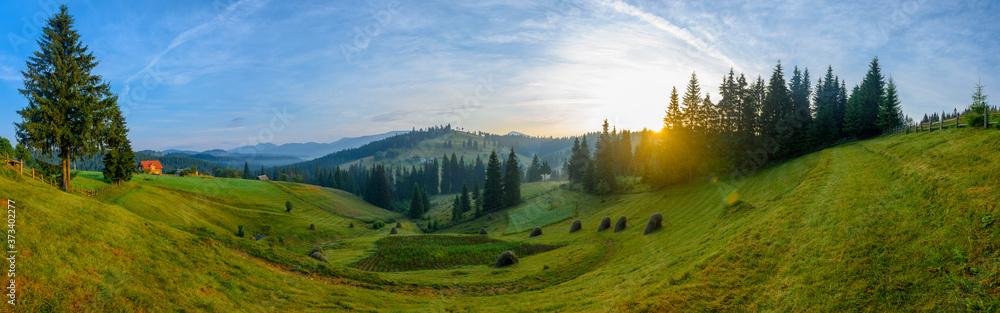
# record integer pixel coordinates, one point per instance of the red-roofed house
(153, 167)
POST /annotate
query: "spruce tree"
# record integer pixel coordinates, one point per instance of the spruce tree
(246, 171)
(119, 160)
(534, 170)
(456, 209)
(493, 188)
(445, 175)
(70, 110)
(862, 116)
(511, 181)
(777, 108)
(890, 113)
(465, 200)
(416, 203)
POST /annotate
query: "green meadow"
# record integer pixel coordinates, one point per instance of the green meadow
(896, 223)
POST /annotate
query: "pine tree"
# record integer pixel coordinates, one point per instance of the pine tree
(977, 110)
(119, 160)
(246, 171)
(777, 108)
(890, 113)
(416, 203)
(477, 200)
(69, 109)
(692, 99)
(493, 188)
(445, 175)
(534, 170)
(674, 120)
(456, 209)
(511, 181)
(861, 117)
(465, 200)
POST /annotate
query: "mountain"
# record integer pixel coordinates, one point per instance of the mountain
(516, 133)
(311, 150)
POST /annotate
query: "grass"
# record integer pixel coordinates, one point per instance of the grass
(411, 253)
(896, 223)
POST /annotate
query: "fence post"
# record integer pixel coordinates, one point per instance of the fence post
(986, 117)
(942, 121)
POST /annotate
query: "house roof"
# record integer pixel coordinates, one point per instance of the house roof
(262, 177)
(147, 164)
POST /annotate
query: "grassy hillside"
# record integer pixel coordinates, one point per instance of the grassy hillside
(902, 222)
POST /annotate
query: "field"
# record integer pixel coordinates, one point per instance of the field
(411, 253)
(896, 223)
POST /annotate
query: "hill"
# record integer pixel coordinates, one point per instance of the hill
(896, 223)
(312, 150)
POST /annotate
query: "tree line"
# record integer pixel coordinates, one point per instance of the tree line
(755, 122)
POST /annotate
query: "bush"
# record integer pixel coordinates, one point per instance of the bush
(378, 224)
(240, 233)
(288, 206)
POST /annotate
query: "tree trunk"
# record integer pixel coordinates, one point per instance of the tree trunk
(65, 172)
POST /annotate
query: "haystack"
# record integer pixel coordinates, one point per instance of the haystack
(317, 254)
(482, 231)
(605, 224)
(655, 222)
(398, 225)
(392, 231)
(312, 226)
(620, 224)
(535, 232)
(505, 259)
(577, 225)
(352, 225)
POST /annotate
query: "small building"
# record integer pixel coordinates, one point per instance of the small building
(262, 177)
(154, 167)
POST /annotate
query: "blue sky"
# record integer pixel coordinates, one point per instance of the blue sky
(224, 73)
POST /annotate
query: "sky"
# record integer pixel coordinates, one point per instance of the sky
(208, 74)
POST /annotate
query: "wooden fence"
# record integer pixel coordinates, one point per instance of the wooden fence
(30, 172)
(941, 125)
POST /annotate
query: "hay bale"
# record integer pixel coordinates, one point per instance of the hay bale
(483, 231)
(398, 225)
(392, 231)
(605, 224)
(655, 222)
(620, 224)
(535, 232)
(577, 225)
(312, 226)
(317, 254)
(506, 258)
(352, 225)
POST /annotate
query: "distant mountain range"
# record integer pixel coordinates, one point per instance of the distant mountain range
(310, 150)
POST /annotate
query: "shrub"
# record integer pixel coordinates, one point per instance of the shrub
(620, 224)
(240, 233)
(655, 222)
(605, 224)
(506, 258)
(377, 225)
(535, 232)
(577, 225)
(288, 206)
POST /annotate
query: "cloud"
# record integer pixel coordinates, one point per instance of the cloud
(232, 13)
(664, 25)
